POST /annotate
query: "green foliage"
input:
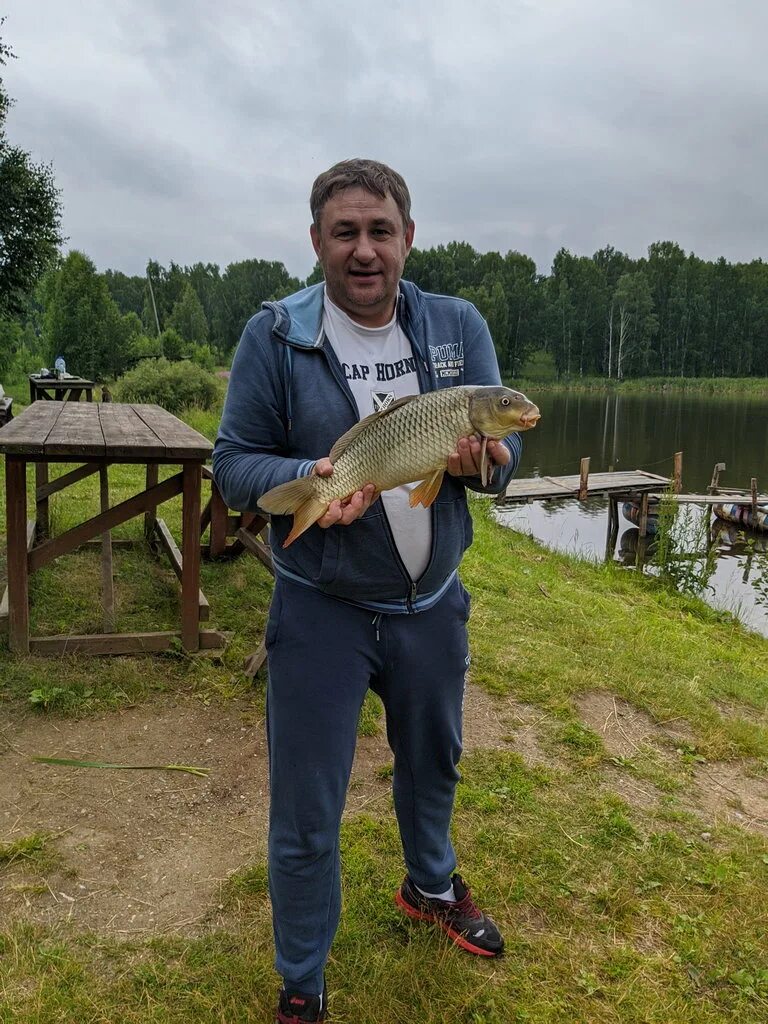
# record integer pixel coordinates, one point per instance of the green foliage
(82, 323)
(188, 317)
(143, 347)
(174, 386)
(171, 344)
(30, 215)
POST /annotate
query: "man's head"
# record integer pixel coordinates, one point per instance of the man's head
(362, 233)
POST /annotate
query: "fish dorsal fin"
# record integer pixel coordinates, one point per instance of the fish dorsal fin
(353, 433)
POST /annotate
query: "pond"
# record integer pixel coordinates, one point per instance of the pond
(726, 566)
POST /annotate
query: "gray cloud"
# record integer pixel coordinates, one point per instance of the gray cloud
(191, 131)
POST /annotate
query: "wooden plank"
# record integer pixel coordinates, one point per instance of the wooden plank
(190, 557)
(67, 479)
(77, 432)
(180, 440)
(717, 499)
(256, 547)
(41, 501)
(18, 573)
(118, 643)
(28, 432)
(254, 661)
(165, 537)
(75, 537)
(126, 433)
(107, 579)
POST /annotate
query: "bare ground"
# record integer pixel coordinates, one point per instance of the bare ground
(140, 853)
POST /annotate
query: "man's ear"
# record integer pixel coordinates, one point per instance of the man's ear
(314, 234)
(409, 232)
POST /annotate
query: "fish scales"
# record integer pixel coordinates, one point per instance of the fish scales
(408, 444)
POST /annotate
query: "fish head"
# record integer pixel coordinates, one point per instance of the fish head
(498, 411)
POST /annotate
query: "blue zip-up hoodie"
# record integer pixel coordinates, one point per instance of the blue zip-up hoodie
(288, 402)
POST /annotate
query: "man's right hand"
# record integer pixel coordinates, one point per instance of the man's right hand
(342, 512)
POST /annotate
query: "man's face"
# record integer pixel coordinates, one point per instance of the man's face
(362, 247)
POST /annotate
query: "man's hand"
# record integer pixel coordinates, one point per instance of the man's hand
(465, 461)
(346, 511)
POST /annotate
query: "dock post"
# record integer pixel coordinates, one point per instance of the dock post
(753, 486)
(584, 479)
(643, 515)
(677, 482)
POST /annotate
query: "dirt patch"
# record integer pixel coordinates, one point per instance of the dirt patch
(626, 729)
(724, 792)
(149, 852)
(717, 791)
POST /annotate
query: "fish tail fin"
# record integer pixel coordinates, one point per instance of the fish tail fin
(297, 498)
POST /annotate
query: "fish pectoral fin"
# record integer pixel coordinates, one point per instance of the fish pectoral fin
(484, 461)
(427, 490)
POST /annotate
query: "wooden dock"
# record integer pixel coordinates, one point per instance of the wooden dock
(545, 488)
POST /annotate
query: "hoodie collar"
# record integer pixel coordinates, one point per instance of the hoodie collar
(299, 317)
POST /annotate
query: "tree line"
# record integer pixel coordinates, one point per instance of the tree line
(669, 313)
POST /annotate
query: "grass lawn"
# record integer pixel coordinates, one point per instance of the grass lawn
(616, 826)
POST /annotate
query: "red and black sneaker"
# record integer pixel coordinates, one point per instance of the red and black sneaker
(298, 1008)
(466, 924)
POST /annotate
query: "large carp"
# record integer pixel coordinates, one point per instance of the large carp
(410, 440)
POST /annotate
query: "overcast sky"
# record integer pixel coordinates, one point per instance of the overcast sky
(186, 131)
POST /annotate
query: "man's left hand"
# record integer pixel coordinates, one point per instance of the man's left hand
(465, 461)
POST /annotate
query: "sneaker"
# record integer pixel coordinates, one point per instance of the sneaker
(297, 1008)
(467, 925)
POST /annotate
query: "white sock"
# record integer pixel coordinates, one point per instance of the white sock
(449, 895)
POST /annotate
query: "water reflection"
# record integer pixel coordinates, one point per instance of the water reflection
(725, 565)
(624, 432)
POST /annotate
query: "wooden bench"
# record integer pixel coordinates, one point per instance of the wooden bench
(247, 531)
(6, 410)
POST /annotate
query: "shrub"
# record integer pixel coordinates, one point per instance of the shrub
(174, 386)
(143, 347)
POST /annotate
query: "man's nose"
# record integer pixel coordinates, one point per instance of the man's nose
(364, 251)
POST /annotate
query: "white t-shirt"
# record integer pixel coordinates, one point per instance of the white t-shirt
(379, 366)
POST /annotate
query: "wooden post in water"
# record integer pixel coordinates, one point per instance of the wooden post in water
(677, 477)
(584, 479)
(643, 515)
(715, 482)
(754, 502)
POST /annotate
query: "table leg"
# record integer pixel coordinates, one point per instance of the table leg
(107, 579)
(190, 557)
(219, 523)
(32, 395)
(41, 504)
(150, 517)
(18, 573)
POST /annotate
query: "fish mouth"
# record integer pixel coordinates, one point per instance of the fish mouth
(530, 418)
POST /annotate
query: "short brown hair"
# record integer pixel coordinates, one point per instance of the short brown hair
(370, 175)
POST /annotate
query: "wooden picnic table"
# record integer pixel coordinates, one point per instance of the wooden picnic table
(68, 389)
(97, 435)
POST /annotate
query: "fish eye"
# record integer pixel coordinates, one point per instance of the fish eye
(505, 401)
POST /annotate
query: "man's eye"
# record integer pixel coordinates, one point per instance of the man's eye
(380, 231)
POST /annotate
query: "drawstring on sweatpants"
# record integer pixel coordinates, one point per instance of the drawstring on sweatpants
(375, 621)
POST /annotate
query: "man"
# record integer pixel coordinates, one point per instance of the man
(369, 596)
